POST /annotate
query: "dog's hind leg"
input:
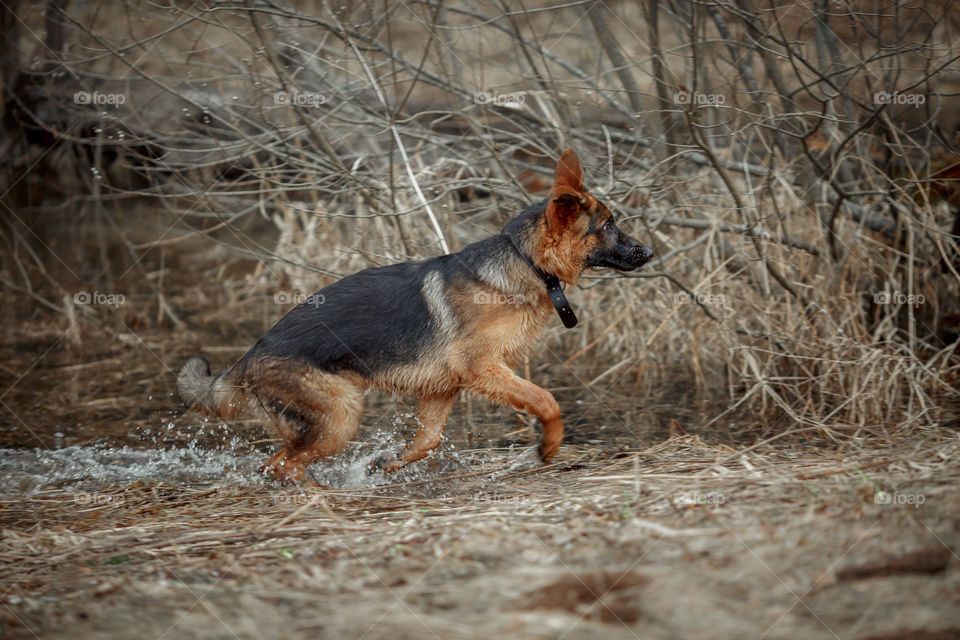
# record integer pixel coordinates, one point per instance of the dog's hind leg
(431, 417)
(316, 414)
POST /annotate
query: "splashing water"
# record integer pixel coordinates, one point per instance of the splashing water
(91, 467)
(228, 463)
(351, 469)
(26, 471)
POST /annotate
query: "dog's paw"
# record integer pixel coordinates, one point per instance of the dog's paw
(384, 462)
(284, 471)
(547, 452)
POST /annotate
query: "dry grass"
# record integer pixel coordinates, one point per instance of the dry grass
(632, 534)
(732, 410)
(806, 276)
(678, 540)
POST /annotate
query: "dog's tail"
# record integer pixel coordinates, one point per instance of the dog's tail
(219, 395)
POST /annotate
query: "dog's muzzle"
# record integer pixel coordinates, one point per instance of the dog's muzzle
(626, 255)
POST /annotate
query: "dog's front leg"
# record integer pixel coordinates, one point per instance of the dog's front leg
(432, 416)
(502, 385)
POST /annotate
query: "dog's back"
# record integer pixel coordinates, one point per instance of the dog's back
(364, 323)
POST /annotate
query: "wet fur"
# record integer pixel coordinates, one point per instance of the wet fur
(430, 329)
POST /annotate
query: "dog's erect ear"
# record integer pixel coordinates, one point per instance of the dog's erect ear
(568, 172)
(567, 196)
(563, 209)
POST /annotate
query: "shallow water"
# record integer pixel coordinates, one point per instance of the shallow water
(26, 471)
(94, 467)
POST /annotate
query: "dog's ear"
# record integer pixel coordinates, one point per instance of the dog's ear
(563, 209)
(568, 172)
(567, 196)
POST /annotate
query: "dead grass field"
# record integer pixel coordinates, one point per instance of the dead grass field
(681, 539)
(762, 424)
(634, 532)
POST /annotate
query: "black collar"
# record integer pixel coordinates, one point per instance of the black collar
(557, 297)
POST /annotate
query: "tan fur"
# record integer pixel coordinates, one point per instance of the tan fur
(315, 412)
(563, 249)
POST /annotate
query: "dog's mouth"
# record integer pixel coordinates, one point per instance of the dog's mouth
(626, 255)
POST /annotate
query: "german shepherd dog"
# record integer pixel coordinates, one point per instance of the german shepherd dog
(431, 329)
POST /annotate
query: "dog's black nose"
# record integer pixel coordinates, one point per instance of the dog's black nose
(645, 252)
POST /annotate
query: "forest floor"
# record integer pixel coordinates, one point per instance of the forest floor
(122, 516)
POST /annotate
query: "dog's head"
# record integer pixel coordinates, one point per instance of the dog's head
(577, 231)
